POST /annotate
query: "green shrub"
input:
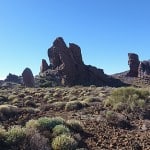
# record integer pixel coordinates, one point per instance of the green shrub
(60, 129)
(32, 124)
(73, 105)
(15, 135)
(75, 125)
(46, 123)
(64, 142)
(127, 99)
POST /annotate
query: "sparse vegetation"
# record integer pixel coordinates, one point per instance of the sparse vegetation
(73, 105)
(15, 135)
(64, 142)
(75, 125)
(127, 99)
(60, 129)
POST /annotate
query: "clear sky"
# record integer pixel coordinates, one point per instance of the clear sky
(106, 30)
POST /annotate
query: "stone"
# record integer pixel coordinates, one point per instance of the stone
(68, 69)
(12, 78)
(133, 63)
(144, 69)
(28, 77)
(44, 66)
(70, 66)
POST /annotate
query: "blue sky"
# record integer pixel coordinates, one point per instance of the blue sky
(106, 30)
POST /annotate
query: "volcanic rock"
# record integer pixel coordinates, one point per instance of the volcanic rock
(144, 68)
(67, 67)
(44, 66)
(12, 78)
(133, 63)
(28, 78)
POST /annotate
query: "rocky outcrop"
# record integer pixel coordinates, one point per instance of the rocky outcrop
(133, 63)
(67, 67)
(44, 66)
(13, 78)
(28, 78)
(144, 69)
(138, 68)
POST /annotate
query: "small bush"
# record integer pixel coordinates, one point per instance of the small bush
(64, 142)
(32, 124)
(11, 97)
(75, 125)
(46, 123)
(30, 103)
(127, 99)
(60, 129)
(73, 105)
(36, 141)
(92, 99)
(8, 110)
(3, 99)
(15, 135)
(2, 135)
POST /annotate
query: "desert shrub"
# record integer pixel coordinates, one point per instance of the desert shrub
(11, 97)
(32, 124)
(60, 129)
(30, 103)
(73, 105)
(127, 99)
(64, 142)
(2, 136)
(75, 125)
(92, 99)
(46, 123)
(46, 97)
(59, 105)
(3, 99)
(28, 97)
(15, 135)
(57, 121)
(118, 120)
(110, 115)
(36, 141)
(8, 110)
(31, 110)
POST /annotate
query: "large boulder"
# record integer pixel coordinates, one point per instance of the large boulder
(28, 77)
(67, 67)
(133, 62)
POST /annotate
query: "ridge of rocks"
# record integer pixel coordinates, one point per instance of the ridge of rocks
(67, 67)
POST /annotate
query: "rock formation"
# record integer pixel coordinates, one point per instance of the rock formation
(28, 78)
(144, 69)
(44, 66)
(133, 63)
(67, 67)
(138, 68)
(13, 78)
